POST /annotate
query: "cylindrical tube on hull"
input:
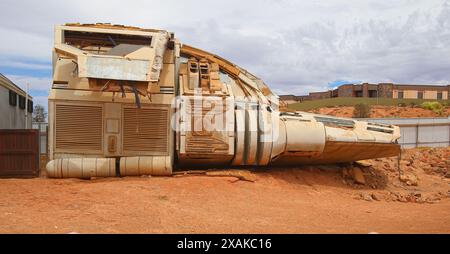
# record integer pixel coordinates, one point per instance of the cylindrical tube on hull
(81, 167)
(145, 165)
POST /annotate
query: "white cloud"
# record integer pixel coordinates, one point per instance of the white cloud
(36, 83)
(24, 64)
(295, 46)
(24, 44)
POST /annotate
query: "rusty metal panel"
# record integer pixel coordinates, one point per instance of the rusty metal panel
(19, 153)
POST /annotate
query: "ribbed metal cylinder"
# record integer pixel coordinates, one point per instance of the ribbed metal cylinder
(81, 167)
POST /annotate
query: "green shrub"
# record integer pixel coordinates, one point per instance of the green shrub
(362, 110)
(433, 106)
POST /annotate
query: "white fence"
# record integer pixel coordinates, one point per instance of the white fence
(420, 132)
(43, 137)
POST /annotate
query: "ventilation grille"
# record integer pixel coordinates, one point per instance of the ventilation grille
(78, 127)
(146, 130)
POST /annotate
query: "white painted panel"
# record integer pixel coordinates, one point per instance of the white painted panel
(116, 68)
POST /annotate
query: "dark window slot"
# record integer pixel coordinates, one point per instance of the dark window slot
(30, 106)
(335, 122)
(12, 98)
(85, 39)
(420, 95)
(380, 130)
(21, 102)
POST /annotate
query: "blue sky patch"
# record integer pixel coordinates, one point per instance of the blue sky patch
(336, 83)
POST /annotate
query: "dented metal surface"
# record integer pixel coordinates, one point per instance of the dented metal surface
(147, 103)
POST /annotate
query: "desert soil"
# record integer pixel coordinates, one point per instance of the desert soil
(381, 111)
(308, 199)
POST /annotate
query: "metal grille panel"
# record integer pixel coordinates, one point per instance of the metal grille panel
(146, 130)
(78, 127)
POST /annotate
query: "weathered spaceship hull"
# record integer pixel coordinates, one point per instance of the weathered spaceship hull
(339, 152)
(130, 101)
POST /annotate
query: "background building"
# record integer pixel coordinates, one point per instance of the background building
(13, 105)
(381, 90)
(294, 98)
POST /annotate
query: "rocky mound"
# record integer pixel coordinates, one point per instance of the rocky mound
(419, 175)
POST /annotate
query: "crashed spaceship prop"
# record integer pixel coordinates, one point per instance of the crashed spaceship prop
(128, 101)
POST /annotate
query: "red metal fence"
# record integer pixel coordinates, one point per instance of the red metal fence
(19, 153)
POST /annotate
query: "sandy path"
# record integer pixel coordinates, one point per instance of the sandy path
(292, 201)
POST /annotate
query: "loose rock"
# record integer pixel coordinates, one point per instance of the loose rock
(358, 175)
(375, 197)
(409, 178)
(364, 163)
(367, 197)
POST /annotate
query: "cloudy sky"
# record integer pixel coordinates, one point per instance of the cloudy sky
(295, 46)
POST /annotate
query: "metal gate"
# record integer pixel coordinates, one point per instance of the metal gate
(19, 153)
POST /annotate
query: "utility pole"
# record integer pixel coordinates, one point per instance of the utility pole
(378, 91)
(26, 106)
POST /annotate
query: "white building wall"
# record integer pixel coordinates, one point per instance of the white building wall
(11, 117)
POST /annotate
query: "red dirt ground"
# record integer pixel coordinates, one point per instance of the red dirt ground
(381, 111)
(317, 199)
